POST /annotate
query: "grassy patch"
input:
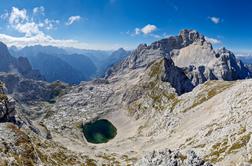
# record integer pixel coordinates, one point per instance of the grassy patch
(211, 89)
(156, 69)
(3, 98)
(217, 152)
(239, 143)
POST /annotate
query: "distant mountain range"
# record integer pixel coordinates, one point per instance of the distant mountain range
(20, 65)
(69, 65)
(246, 59)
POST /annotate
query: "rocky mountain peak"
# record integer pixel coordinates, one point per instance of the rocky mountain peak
(184, 38)
(120, 50)
(190, 36)
(168, 47)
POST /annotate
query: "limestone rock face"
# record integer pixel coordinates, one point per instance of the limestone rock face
(144, 54)
(171, 158)
(227, 67)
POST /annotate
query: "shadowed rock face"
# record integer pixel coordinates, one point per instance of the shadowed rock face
(176, 77)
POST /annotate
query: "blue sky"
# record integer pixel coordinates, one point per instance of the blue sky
(109, 24)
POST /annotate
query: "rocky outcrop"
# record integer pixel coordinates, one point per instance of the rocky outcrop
(30, 90)
(227, 67)
(171, 158)
(7, 107)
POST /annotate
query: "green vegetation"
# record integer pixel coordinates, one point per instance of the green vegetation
(156, 69)
(218, 151)
(57, 89)
(3, 98)
(238, 144)
(34, 150)
(210, 90)
(153, 92)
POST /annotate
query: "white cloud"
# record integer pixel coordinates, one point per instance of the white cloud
(39, 10)
(17, 16)
(215, 20)
(72, 19)
(19, 20)
(147, 29)
(212, 40)
(29, 28)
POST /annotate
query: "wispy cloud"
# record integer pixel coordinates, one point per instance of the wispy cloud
(40, 39)
(17, 16)
(72, 19)
(19, 20)
(213, 40)
(215, 20)
(50, 24)
(45, 40)
(39, 10)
